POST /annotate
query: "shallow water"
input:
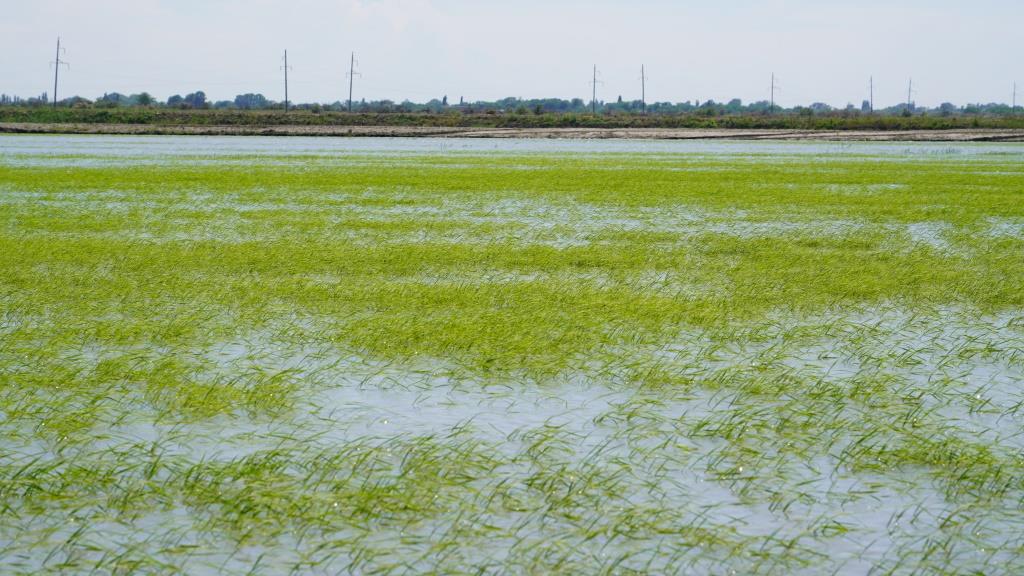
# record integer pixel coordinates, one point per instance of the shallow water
(786, 444)
(167, 147)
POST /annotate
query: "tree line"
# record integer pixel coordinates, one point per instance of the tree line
(198, 100)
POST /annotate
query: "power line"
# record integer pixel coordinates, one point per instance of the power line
(351, 78)
(56, 71)
(59, 61)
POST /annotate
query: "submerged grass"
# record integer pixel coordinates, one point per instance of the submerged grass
(512, 363)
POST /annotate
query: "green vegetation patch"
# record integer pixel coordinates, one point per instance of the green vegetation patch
(568, 363)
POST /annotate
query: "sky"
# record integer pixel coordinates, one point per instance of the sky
(820, 50)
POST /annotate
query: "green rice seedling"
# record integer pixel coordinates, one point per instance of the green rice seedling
(335, 359)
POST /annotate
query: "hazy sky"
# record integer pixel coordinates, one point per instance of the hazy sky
(821, 50)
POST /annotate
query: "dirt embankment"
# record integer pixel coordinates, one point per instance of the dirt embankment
(961, 135)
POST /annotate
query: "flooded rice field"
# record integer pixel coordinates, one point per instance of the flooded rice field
(322, 356)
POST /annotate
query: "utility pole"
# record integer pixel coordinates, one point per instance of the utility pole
(351, 77)
(1013, 108)
(771, 109)
(286, 68)
(56, 71)
(593, 98)
(871, 105)
(643, 89)
(910, 92)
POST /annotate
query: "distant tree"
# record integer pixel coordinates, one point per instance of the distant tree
(865, 106)
(196, 99)
(40, 100)
(175, 101)
(113, 98)
(444, 101)
(251, 101)
(144, 99)
(76, 102)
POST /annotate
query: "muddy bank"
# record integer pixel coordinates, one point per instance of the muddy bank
(961, 135)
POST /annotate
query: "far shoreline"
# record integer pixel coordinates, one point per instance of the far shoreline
(772, 134)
